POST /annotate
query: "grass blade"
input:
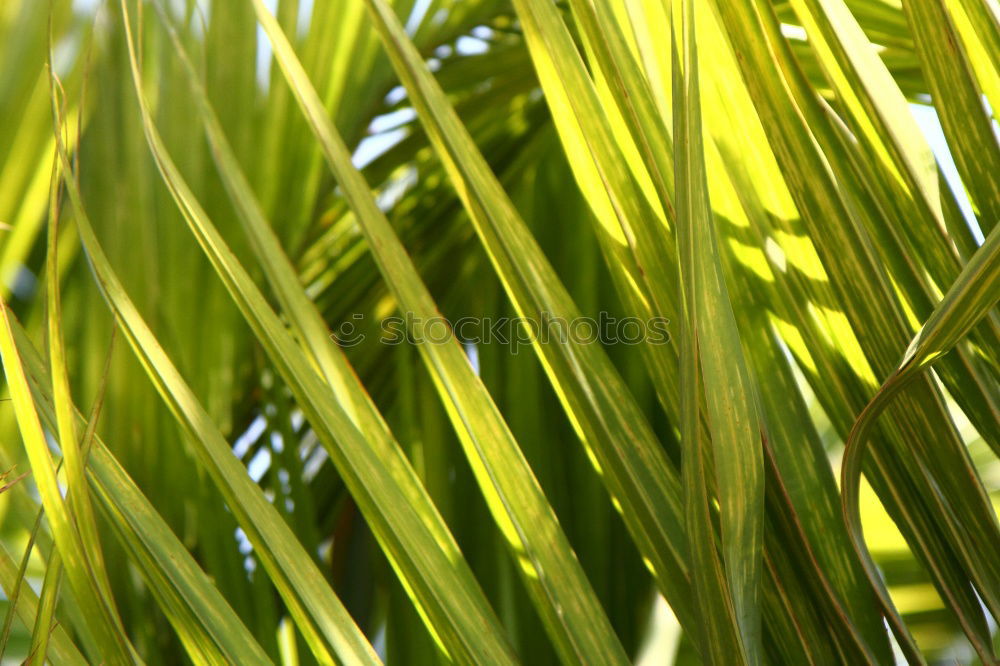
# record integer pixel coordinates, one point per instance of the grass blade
(325, 622)
(376, 472)
(548, 565)
(970, 135)
(714, 373)
(970, 298)
(615, 433)
(61, 649)
(192, 602)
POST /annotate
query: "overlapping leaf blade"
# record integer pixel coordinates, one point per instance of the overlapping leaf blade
(714, 373)
(546, 560)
